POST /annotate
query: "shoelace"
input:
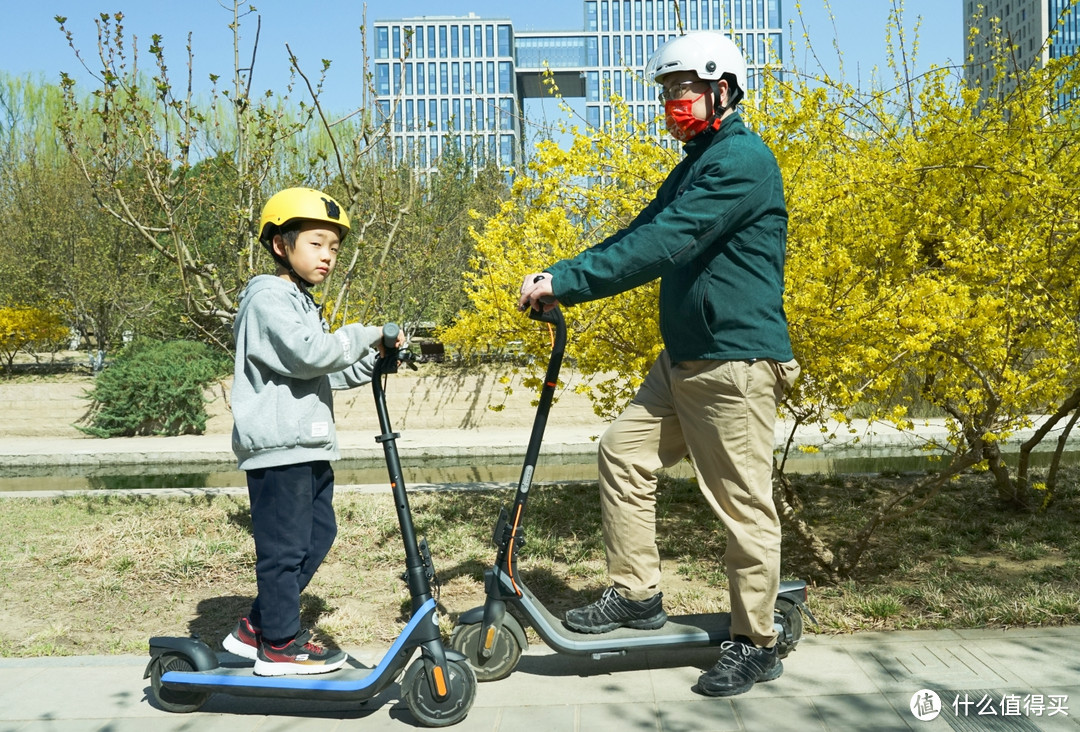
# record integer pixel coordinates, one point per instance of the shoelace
(730, 660)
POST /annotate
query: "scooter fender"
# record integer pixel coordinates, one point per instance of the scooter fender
(475, 616)
(200, 654)
(795, 591)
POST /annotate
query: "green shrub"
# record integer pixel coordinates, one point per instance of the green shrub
(154, 388)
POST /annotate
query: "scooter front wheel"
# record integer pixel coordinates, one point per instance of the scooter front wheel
(429, 711)
(505, 651)
(172, 700)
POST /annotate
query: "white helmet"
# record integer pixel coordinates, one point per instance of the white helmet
(709, 54)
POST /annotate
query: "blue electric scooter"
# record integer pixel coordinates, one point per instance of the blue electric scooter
(493, 639)
(439, 687)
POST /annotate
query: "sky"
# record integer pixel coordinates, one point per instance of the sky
(330, 29)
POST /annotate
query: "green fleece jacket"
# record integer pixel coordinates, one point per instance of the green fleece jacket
(715, 235)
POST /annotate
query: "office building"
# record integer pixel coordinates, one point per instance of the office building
(465, 80)
(1027, 26)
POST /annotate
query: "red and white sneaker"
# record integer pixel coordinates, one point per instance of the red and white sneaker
(298, 656)
(243, 641)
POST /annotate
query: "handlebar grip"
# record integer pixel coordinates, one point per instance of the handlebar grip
(390, 333)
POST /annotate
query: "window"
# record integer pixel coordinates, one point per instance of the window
(382, 79)
(442, 41)
(615, 24)
(431, 41)
(410, 116)
(467, 77)
(466, 43)
(660, 24)
(382, 43)
(444, 78)
(416, 40)
(455, 114)
(592, 116)
(478, 42)
(590, 15)
(408, 78)
(455, 41)
(397, 79)
(604, 16)
(506, 114)
(506, 149)
(505, 77)
(605, 45)
(489, 37)
(455, 78)
(591, 55)
(467, 120)
(420, 79)
(395, 42)
(592, 86)
(648, 14)
(637, 14)
(490, 74)
(444, 115)
(504, 41)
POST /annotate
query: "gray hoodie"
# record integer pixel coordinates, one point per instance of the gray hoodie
(287, 362)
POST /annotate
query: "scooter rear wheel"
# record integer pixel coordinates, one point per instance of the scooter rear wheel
(505, 653)
(171, 700)
(429, 711)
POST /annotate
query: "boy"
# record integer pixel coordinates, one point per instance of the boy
(287, 362)
(715, 236)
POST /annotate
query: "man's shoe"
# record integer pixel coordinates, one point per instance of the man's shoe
(298, 656)
(741, 665)
(243, 641)
(613, 611)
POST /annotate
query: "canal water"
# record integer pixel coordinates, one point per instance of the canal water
(427, 472)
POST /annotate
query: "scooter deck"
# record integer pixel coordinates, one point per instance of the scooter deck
(679, 630)
(344, 684)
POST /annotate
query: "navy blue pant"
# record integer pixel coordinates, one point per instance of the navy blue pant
(292, 519)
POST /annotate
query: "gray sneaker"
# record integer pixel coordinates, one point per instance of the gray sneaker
(741, 665)
(613, 611)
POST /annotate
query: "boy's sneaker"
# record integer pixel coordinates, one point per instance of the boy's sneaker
(741, 665)
(298, 656)
(243, 641)
(613, 611)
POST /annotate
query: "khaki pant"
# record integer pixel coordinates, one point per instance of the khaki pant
(722, 414)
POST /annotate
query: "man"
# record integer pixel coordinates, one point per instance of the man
(715, 235)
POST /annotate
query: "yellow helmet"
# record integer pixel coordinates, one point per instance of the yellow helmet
(301, 203)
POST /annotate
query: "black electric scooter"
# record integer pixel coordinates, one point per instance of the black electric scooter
(439, 687)
(493, 639)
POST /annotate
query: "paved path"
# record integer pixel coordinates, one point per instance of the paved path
(996, 680)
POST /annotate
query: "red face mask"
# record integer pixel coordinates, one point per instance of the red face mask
(680, 119)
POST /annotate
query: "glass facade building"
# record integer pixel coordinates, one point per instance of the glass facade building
(1028, 24)
(463, 80)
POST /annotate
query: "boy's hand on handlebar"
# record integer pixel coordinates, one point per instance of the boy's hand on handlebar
(399, 343)
(537, 293)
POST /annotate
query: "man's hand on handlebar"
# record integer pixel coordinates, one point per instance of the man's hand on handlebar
(537, 293)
